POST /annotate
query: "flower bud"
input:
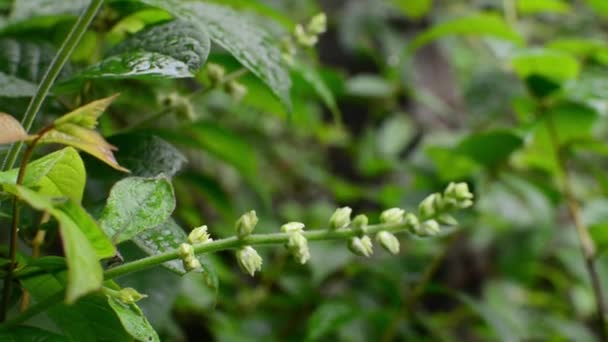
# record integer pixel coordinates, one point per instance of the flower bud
(303, 37)
(447, 219)
(360, 222)
(361, 246)
(249, 260)
(216, 73)
(388, 241)
(340, 218)
(429, 228)
(392, 216)
(236, 90)
(129, 295)
(199, 235)
(291, 227)
(245, 224)
(298, 246)
(318, 24)
(192, 263)
(411, 220)
(461, 191)
(185, 250)
(430, 206)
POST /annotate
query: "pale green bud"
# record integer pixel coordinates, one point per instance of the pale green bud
(429, 228)
(245, 224)
(447, 219)
(318, 24)
(192, 263)
(392, 216)
(236, 90)
(185, 250)
(340, 218)
(130, 296)
(388, 241)
(216, 73)
(298, 246)
(360, 222)
(461, 191)
(291, 227)
(199, 235)
(249, 260)
(430, 206)
(303, 37)
(361, 246)
(464, 204)
(411, 220)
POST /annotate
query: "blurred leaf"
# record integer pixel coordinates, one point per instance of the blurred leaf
(414, 9)
(540, 6)
(581, 48)
(84, 270)
(11, 86)
(11, 130)
(26, 9)
(136, 204)
(312, 77)
(23, 333)
(327, 318)
(250, 45)
(133, 320)
(484, 24)
(490, 148)
(553, 65)
(25, 60)
(449, 165)
(368, 85)
(394, 135)
(599, 6)
(59, 174)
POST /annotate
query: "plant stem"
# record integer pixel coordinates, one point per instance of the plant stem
(64, 53)
(586, 243)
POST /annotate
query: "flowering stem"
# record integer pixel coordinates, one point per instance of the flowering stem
(251, 240)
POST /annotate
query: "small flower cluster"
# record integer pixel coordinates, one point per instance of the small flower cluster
(217, 78)
(304, 36)
(247, 257)
(186, 250)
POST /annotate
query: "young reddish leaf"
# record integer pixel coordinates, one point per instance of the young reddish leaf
(87, 115)
(11, 130)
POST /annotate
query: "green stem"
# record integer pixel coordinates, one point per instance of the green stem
(64, 53)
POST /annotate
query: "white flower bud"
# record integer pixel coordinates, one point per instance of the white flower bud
(249, 260)
(245, 224)
(461, 191)
(291, 227)
(411, 220)
(388, 241)
(392, 216)
(199, 235)
(447, 219)
(236, 90)
(303, 37)
(298, 246)
(429, 228)
(129, 295)
(185, 250)
(464, 204)
(192, 263)
(430, 206)
(340, 218)
(216, 73)
(361, 246)
(360, 222)
(318, 24)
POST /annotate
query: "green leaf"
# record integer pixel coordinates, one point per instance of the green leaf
(581, 48)
(86, 116)
(90, 319)
(490, 148)
(483, 24)
(328, 318)
(59, 174)
(25, 60)
(26, 9)
(133, 320)
(539, 6)
(167, 237)
(138, 64)
(11, 130)
(414, 9)
(11, 86)
(84, 270)
(312, 77)
(552, 65)
(599, 6)
(253, 47)
(22, 333)
(136, 204)
(178, 39)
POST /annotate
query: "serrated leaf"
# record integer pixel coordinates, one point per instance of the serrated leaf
(11, 86)
(250, 45)
(483, 24)
(11, 130)
(85, 274)
(133, 320)
(178, 39)
(167, 237)
(136, 204)
(59, 174)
